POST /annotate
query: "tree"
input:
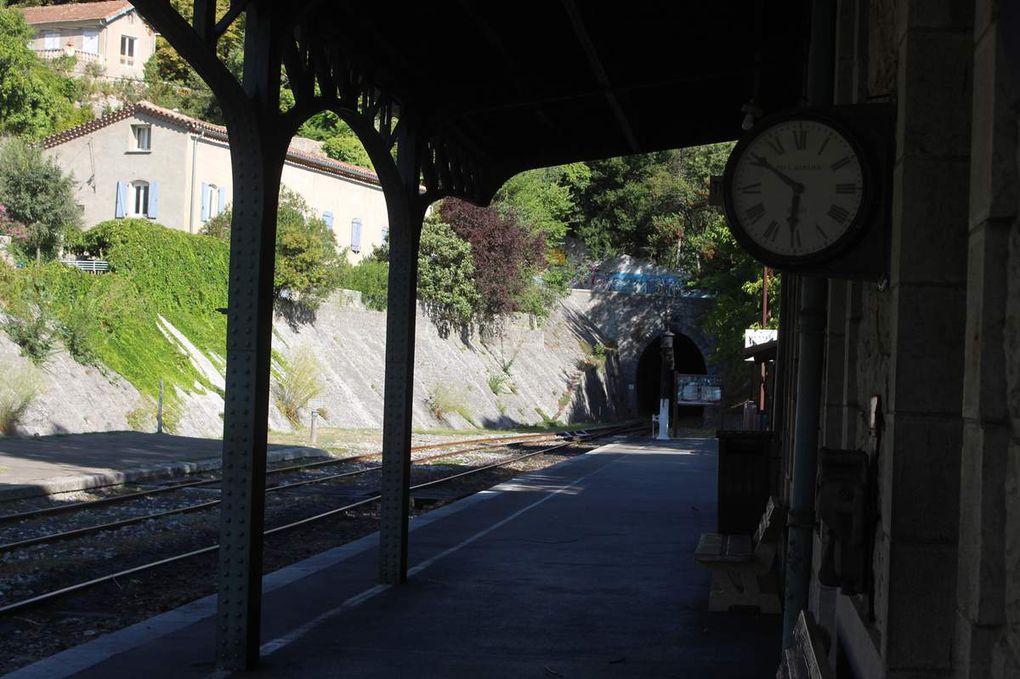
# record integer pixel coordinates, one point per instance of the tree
(37, 194)
(446, 270)
(506, 256)
(35, 100)
(308, 265)
(338, 140)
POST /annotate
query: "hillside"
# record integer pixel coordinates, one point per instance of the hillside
(91, 351)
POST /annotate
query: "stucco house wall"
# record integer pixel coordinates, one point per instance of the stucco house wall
(187, 169)
(61, 29)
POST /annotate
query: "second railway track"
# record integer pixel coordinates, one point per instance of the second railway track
(184, 540)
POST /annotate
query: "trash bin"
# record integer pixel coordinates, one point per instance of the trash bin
(743, 479)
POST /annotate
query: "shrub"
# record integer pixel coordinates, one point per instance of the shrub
(35, 334)
(445, 276)
(296, 382)
(505, 256)
(498, 382)
(17, 390)
(370, 278)
(443, 401)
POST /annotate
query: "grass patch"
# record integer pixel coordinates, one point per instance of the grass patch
(443, 401)
(18, 389)
(296, 382)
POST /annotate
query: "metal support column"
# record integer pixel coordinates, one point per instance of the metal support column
(811, 349)
(406, 212)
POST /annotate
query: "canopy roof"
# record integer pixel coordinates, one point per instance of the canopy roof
(534, 83)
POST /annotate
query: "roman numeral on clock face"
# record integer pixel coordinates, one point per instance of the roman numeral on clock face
(751, 188)
(755, 212)
(800, 139)
(846, 188)
(795, 239)
(772, 231)
(776, 145)
(842, 162)
(838, 213)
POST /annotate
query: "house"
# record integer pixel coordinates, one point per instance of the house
(109, 34)
(150, 162)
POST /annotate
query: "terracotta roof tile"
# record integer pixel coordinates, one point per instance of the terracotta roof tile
(302, 151)
(85, 11)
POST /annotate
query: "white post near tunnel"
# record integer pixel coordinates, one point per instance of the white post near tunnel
(665, 384)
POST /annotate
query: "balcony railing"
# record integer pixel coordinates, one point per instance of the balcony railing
(81, 56)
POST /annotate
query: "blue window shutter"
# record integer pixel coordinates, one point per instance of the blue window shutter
(222, 198)
(205, 202)
(121, 210)
(327, 217)
(356, 235)
(153, 200)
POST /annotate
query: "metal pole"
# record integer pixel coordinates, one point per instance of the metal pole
(665, 384)
(405, 213)
(811, 331)
(159, 409)
(311, 434)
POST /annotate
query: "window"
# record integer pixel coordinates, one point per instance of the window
(90, 41)
(356, 235)
(137, 199)
(140, 198)
(214, 201)
(127, 50)
(142, 135)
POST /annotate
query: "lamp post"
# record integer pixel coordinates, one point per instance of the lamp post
(665, 384)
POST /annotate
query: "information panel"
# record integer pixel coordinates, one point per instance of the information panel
(698, 390)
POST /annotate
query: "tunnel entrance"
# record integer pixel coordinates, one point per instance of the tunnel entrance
(687, 359)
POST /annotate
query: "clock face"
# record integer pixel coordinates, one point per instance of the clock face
(795, 189)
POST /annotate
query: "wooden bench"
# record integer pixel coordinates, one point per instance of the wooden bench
(808, 658)
(742, 565)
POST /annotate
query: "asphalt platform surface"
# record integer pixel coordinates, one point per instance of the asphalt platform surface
(583, 570)
(45, 465)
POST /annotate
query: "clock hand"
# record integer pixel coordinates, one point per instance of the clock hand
(762, 161)
(793, 220)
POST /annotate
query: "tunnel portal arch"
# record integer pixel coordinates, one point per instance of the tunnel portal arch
(687, 358)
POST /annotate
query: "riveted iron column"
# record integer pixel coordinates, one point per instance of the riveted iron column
(258, 150)
(406, 211)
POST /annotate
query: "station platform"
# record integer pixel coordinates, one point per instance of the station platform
(584, 569)
(44, 465)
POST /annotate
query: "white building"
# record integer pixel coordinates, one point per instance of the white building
(150, 162)
(109, 34)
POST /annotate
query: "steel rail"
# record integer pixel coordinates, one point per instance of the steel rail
(494, 441)
(70, 589)
(133, 520)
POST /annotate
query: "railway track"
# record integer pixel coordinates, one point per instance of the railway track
(472, 447)
(167, 488)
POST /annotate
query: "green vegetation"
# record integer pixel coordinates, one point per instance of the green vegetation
(296, 382)
(35, 99)
(369, 277)
(445, 270)
(39, 210)
(444, 400)
(308, 266)
(17, 391)
(112, 319)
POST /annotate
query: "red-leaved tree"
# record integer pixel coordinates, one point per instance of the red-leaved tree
(506, 256)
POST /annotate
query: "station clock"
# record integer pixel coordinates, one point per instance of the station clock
(798, 189)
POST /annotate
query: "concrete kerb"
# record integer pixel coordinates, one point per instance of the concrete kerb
(68, 484)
